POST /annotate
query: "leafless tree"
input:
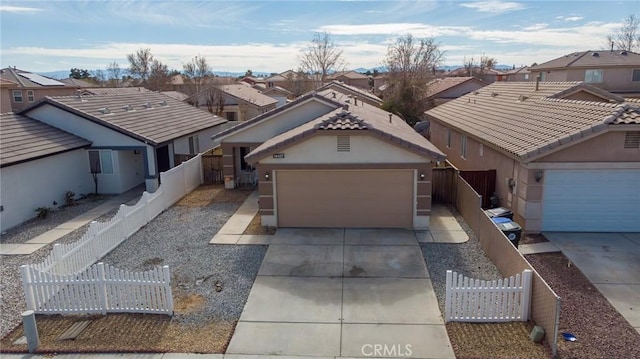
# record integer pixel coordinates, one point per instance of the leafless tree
(321, 58)
(215, 101)
(99, 77)
(627, 37)
(196, 72)
(114, 74)
(299, 83)
(159, 76)
(140, 64)
(411, 64)
(479, 69)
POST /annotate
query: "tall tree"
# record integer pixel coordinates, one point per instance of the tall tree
(140, 64)
(410, 64)
(627, 37)
(196, 73)
(479, 69)
(114, 74)
(159, 76)
(79, 74)
(99, 77)
(321, 58)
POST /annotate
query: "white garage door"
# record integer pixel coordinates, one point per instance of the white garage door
(591, 201)
(368, 198)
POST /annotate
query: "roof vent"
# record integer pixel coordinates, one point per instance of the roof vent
(147, 105)
(333, 94)
(104, 111)
(162, 103)
(624, 53)
(632, 139)
(595, 54)
(522, 98)
(390, 118)
(476, 92)
(344, 144)
(79, 94)
(494, 94)
(127, 108)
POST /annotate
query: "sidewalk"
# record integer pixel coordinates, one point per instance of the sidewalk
(60, 231)
(232, 231)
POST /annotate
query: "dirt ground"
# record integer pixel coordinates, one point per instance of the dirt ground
(255, 227)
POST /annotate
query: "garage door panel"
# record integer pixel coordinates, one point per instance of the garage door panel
(591, 201)
(345, 198)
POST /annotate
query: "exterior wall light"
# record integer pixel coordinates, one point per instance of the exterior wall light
(539, 175)
(266, 176)
(422, 176)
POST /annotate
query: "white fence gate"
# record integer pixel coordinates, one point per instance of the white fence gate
(98, 289)
(474, 300)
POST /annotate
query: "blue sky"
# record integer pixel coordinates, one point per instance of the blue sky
(268, 35)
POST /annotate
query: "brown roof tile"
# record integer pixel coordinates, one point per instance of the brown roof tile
(591, 59)
(105, 91)
(23, 139)
(440, 85)
(523, 122)
(147, 116)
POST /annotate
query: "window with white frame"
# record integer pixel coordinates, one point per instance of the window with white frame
(448, 134)
(636, 75)
(194, 145)
(31, 96)
(100, 161)
(17, 96)
(593, 76)
(463, 146)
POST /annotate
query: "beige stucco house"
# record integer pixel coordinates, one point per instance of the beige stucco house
(26, 88)
(237, 102)
(352, 78)
(614, 71)
(567, 154)
(328, 159)
(446, 89)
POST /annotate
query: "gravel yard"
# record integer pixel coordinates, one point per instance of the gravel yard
(476, 340)
(210, 283)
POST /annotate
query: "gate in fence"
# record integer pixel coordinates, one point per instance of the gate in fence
(98, 289)
(474, 300)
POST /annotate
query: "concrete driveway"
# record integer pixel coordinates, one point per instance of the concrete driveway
(342, 292)
(611, 261)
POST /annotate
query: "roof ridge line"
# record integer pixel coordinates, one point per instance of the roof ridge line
(577, 58)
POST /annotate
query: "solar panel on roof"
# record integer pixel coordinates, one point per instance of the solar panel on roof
(41, 80)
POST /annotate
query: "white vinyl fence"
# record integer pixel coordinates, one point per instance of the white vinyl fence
(71, 262)
(98, 289)
(474, 300)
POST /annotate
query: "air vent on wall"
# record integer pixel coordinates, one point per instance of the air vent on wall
(344, 144)
(632, 139)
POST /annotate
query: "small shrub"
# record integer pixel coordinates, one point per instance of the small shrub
(69, 199)
(43, 212)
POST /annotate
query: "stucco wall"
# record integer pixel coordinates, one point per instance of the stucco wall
(131, 168)
(291, 118)
(614, 79)
(181, 145)
(5, 100)
(27, 186)
(38, 94)
(608, 147)
(460, 90)
(364, 149)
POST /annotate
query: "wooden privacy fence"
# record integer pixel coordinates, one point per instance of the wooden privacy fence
(502, 300)
(212, 168)
(98, 289)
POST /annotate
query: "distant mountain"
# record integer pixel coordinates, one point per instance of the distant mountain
(62, 74)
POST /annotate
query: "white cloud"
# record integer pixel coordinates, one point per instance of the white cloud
(570, 18)
(19, 9)
(416, 29)
(494, 6)
(535, 27)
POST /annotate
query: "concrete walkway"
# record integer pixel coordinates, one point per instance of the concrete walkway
(231, 232)
(342, 293)
(62, 230)
(611, 261)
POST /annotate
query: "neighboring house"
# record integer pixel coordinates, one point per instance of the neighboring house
(379, 83)
(354, 92)
(327, 159)
(238, 102)
(39, 164)
(78, 83)
(180, 96)
(252, 80)
(278, 93)
(487, 76)
(566, 154)
(30, 87)
(133, 137)
(296, 82)
(614, 71)
(6, 88)
(446, 89)
(519, 74)
(351, 78)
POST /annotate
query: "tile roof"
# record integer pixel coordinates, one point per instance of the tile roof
(520, 70)
(349, 74)
(359, 118)
(352, 90)
(21, 79)
(104, 91)
(146, 116)
(180, 96)
(524, 123)
(244, 93)
(440, 85)
(590, 58)
(78, 82)
(23, 139)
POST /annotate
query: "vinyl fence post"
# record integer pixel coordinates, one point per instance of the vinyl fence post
(31, 330)
(525, 302)
(26, 286)
(167, 283)
(102, 289)
(447, 301)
